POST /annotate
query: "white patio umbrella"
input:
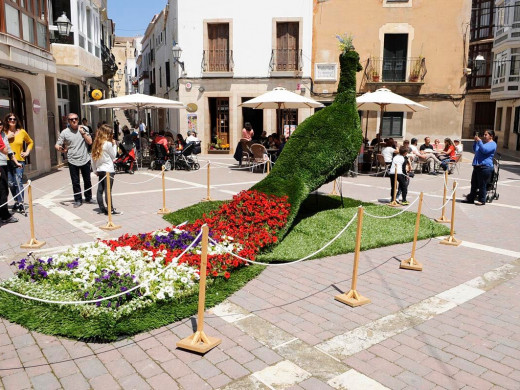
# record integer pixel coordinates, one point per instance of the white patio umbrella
(280, 98)
(136, 101)
(385, 100)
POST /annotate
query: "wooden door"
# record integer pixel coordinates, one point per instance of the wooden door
(287, 46)
(223, 120)
(218, 47)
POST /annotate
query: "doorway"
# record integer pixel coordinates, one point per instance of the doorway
(394, 57)
(219, 118)
(253, 116)
(507, 130)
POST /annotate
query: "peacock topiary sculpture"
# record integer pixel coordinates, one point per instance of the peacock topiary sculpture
(323, 146)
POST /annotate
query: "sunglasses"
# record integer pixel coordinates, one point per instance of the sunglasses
(11, 119)
(73, 119)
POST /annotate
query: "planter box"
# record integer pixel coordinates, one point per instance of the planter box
(218, 151)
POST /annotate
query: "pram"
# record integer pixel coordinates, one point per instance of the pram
(187, 158)
(492, 193)
(161, 157)
(126, 160)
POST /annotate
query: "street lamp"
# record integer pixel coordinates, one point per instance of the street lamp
(176, 50)
(475, 64)
(64, 25)
(120, 75)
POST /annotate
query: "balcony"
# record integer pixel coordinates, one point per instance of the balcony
(109, 62)
(217, 63)
(285, 62)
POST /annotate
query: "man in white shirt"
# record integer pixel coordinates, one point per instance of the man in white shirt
(192, 137)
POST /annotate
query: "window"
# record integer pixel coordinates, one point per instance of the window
(481, 78)
(26, 20)
(498, 122)
(482, 19)
(167, 71)
(515, 62)
(393, 124)
(160, 77)
(517, 120)
(287, 53)
(218, 52)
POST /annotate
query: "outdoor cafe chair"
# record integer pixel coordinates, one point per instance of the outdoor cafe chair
(382, 164)
(260, 156)
(247, 155)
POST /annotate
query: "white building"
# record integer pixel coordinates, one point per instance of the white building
(506, 73)
(231, 52)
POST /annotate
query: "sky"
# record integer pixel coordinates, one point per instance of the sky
(133, 16)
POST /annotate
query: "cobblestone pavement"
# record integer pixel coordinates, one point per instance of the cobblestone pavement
(452, 326)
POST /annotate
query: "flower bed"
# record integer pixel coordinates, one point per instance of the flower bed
(141, 273)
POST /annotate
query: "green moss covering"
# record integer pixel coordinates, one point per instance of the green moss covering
(323, 146)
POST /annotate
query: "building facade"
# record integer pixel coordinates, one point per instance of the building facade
(506, 74)
(230, 53)
(395, 41)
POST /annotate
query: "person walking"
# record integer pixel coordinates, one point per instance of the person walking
(484, 149)
(103, 156)
(74, 140)
(116, 130)
(17, 137)
(398, 163)
(5, 154)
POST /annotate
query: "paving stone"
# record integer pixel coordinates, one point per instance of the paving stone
(45, 381)
(204, 369)
(147, 368)
(193, 381)
(119, 368)
(64, 369)
(176, 368)
(160, 353)
(104, 382)
(16, 381)
(75, 382)
(91, 368)
(267, 355)
(163, 381)
(232, 369)
(240, 354)
(134, 382)
(219, 381)
(314, 384)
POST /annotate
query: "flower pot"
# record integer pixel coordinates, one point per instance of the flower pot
(375, 79)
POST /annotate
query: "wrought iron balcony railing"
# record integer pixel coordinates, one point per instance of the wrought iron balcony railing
(217, 60)
(404, 70)
(286, 60)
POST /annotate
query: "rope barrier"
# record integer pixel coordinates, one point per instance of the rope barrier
(174, 261)
(76, 193)
(394, 215)
(448, 199)
(292, 262)
(20, 192)
(141, 182)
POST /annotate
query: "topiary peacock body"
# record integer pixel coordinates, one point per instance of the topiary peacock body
(323, 146)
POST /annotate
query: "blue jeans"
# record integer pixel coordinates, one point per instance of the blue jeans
(479, 179)
(15, 181)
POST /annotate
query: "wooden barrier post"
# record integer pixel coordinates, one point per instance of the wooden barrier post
(164, 210)
(353, 298)
(199, 342)
(33, 243)
(451, 240)
(411, 263)
(443, 218)
(208, 197)
(394, 203)
(268, 166)
(110, 225)
(334, 185)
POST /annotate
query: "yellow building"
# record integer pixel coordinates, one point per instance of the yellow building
(416, 48)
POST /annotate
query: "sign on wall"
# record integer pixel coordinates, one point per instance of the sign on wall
(326, 72)
(192, 122)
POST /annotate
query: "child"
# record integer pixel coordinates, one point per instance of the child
(103, 156)
(398, 162)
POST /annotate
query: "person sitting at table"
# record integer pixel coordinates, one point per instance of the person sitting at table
(448, 153)
(389, 151)
(427, 145)
(429, 153)
(376, 141)
(179, 142)
(248, 132)
(458, 146)
(437, 146)
(263, 138)
(160, 139)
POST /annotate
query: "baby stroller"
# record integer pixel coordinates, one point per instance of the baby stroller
(125, 160)
(187, 158)
(492, 193)
(161, 158)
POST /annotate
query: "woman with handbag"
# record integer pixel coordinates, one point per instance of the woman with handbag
(6, 154)
(17, 137)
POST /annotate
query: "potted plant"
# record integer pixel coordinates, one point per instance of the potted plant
(374, 75)
(416, 70)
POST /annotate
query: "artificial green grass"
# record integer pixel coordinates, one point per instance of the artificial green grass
(60, 321)
(321, 217)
